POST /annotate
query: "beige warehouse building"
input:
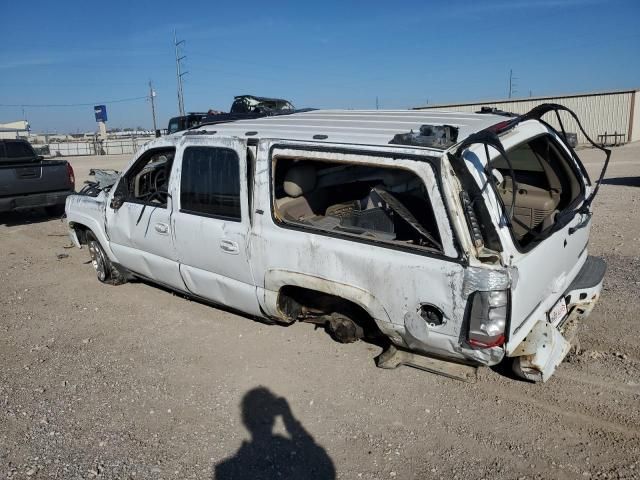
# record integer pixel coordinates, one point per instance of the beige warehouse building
(612, 112)
(14, 129)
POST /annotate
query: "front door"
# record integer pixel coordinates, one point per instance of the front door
(211, 222)
(139, 230)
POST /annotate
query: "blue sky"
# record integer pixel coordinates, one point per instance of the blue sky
(330, 54)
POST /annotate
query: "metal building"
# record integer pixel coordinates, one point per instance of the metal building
(14, 129)
(601, 113)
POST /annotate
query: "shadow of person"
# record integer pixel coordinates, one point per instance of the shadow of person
(270, 456)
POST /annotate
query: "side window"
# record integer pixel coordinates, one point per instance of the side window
(148, 179)
(376, 203)
(18, 150)
(210, 182)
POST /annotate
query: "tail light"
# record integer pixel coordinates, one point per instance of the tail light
(72, 176)
(488, 318)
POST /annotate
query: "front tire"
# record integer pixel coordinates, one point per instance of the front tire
(105, 270)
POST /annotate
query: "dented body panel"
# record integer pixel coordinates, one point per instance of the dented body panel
(426, 299)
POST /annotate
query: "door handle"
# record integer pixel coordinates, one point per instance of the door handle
(229, 247)
(162, 228)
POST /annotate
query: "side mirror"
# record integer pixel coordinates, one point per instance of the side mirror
(117, 201)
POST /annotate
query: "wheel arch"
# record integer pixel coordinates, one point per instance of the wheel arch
(279, 281)
(81, 225)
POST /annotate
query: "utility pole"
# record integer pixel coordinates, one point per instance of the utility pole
(152, 95)
(377, 104)
(512, 84)
(179, 72)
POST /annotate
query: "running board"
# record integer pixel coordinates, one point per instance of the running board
(392, 358)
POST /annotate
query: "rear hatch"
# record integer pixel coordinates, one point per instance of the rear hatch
(542, 198)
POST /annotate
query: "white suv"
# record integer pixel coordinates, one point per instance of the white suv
(461, 238)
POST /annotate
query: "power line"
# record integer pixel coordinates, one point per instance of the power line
(48, 105)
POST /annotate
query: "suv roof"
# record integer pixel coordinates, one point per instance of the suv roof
(364, 127)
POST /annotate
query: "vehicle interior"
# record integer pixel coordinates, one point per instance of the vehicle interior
(148, 181)
(546, 185)
(389, 205)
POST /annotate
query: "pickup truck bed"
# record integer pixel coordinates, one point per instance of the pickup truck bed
(30, 181)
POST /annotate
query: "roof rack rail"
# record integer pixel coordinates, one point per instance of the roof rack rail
(231, 117)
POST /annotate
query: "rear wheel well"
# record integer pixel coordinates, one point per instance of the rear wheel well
(304, 304)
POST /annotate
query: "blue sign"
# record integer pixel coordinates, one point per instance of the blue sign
(101, 113)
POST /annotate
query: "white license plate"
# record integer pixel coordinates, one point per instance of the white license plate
(558, 312)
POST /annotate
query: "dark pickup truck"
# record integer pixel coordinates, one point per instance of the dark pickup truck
(29, 181)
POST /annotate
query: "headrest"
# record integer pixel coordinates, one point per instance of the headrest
(300, 179)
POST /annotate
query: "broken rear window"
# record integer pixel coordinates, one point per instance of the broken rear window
(378, 203)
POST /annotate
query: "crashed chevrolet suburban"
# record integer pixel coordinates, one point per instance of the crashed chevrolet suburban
(461, 239)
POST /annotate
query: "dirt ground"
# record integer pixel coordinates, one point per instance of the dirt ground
(135, 382)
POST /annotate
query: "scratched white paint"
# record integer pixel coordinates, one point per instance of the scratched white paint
(245, 264)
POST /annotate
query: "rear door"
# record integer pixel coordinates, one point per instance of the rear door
(211, 222)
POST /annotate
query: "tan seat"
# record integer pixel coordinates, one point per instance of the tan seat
(299, 182)
(534, 205)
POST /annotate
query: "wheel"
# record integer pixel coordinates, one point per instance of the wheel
(105, 270)
(342, 329)
(55, 210)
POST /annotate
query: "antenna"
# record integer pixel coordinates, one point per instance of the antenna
(179, 72)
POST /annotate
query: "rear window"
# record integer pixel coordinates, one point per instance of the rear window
(546, 185)
(210, 182)
(174, 125)
(18, 150)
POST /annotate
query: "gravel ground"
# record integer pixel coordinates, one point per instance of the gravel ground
(135, 382)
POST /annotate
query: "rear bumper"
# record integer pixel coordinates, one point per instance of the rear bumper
(584, 291)
(8, 204)
(546, 345)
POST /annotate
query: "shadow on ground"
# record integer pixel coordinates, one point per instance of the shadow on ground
(622, 181)
(26, 217)
(272, 456)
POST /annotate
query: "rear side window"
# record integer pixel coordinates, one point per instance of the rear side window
(210, 182)
(374, 203)
(18, 150)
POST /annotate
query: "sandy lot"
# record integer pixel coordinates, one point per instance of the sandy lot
(135, 382)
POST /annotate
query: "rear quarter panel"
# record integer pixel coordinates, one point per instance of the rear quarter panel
(389, 283)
